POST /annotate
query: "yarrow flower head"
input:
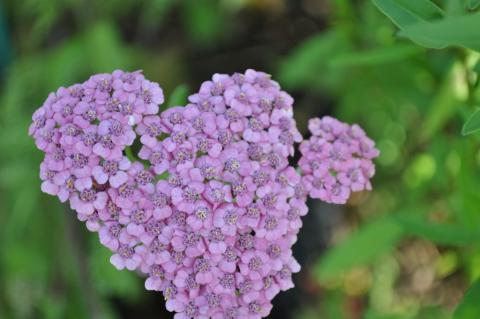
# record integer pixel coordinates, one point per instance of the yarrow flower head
(211, 208)
(214, 232)
(230, 193)
(337, 160)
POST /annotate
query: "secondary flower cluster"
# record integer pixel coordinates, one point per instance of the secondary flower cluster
(84, 129)
(211, 210)
(336, 160)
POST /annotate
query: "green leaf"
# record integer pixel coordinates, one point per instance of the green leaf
(473, 4)
(306, 65)
(178, 96)
(442, 234)
(106, 279)
(472, 125)
(129, 154)
(455, 7)
(419, 21)
(363, 247)
(451, 31)
(375, 57)
(426, 9)
(407, 12)
(469, 307)
(104, 49)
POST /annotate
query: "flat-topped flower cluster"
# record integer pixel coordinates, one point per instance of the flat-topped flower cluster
(210, 208)
(235, 203)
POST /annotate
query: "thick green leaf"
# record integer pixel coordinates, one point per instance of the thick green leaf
(451, 31)
(426, 9)
(178, 96)
(407, 12)
(363, 247)
(376, 56)
(443, 234)
(419, 21)
(473, 4)
(469, 307)
(473, 124)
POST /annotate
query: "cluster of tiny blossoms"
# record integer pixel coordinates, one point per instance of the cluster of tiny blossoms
(84, 130)
(231, 206)
(211, 210)
(336, 160)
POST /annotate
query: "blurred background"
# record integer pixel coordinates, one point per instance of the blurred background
(408, 250)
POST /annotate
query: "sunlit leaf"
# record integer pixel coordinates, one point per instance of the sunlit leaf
(469, 307)
(376, 56)
(442, 234)
(473, 123)
(307, 64)
(361, 248)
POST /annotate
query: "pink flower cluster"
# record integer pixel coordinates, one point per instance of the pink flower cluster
(336, 160)
(84, 130)
(211, 210)
(234, 202)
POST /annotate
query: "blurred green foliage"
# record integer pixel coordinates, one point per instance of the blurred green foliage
(408, 250)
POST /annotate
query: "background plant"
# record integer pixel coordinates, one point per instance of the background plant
(408, 250)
